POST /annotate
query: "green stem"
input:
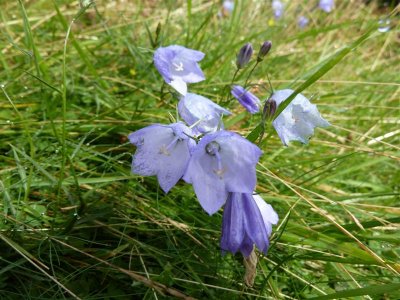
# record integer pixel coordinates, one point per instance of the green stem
(233, 79)
(251, 72)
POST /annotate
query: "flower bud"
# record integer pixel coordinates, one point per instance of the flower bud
(244, 56)
(269, 108)
(265, 47)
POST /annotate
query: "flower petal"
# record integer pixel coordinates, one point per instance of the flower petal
(239, 158)
(232, 224)
(149, 140)
(198, 109)
(209, 188)
(162, 61)
(178, 84)
(193, 73)
(268, 213)
(190, 53)
(173, 167)
(250, 102)
(247, 246)
(254, 223)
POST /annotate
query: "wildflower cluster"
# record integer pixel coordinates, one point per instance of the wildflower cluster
(278, 8)
(219, 164)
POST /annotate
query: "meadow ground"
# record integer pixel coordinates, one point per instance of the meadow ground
(77, 224)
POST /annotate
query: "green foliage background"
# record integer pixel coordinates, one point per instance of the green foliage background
(76, 224)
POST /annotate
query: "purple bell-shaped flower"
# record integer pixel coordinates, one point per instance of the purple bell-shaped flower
(247, 221)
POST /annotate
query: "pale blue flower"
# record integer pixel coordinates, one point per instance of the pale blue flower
(228, 6)
(179, 65)
(326, 5)
(246, 98)
(247, 221)
(162, 150)
(298, 119)
(196, 109)
(302, 21)
(222, 162)
(278, 8)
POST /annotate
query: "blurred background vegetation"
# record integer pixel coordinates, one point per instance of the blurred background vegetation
(76, 224)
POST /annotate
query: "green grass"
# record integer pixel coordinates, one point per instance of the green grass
(75, 223)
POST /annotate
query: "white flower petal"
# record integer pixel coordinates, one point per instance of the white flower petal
(178, 84)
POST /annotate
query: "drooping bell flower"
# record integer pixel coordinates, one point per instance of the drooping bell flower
(246, 99)
(196, 109)
(278, 8)
(326, 5)
(298, 120)
(247, 221)
(228, 6)
(244, 56)
(222, 162)
(302, 22)
(162, 150)
(178, 66)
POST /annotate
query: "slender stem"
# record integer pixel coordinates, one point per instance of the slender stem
(264, 127)
(251, 72)
(232, 81)
(270, 84)
(234, 75)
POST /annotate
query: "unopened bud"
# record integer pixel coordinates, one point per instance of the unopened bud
(244, 56)
(269, 108)
(265, 47)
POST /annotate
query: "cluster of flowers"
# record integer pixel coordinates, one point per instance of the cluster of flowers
(278, 7)
(220, 164)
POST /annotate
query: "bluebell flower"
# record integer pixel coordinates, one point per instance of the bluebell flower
(246, 99)
(196, 109)
(162, 150)
(278, 8)
(222, 162)
(247, 221)
(302, 21)
(244, 56)
(298, 119)
(326, 5)
(228, 6)
(179, 65)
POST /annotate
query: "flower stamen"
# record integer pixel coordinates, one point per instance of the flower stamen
(179, 67)
(166, 149)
